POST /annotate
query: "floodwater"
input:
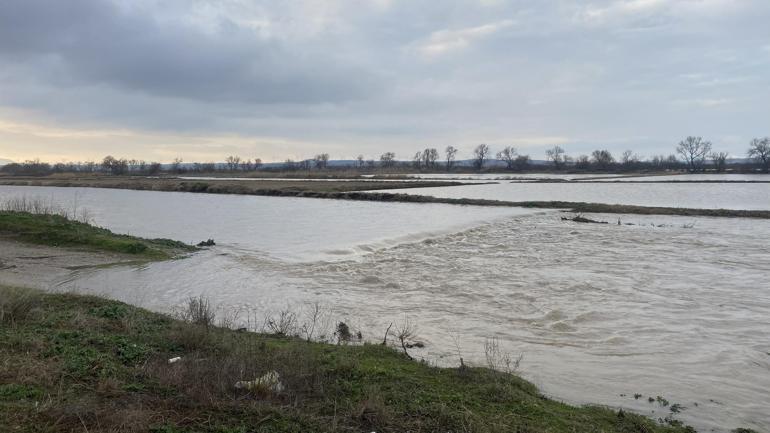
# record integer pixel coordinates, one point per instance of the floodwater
(727, 177)
(755, 196)
(677, 307)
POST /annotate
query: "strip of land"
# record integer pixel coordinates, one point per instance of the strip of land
(365, 191)
(56, 230)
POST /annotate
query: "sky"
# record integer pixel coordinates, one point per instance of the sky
(200, 80)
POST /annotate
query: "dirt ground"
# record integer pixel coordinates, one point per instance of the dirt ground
(43, 267)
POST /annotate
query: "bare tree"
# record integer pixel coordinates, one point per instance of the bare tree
(522, 162)
(759, 151)
(246, 165)
(417, 160)
(629, 157)
(360, 160)
(450, 153)
(480, 155)
(109, 163)
(508, 155)
(720, 160)
(257, 163)
(321, 161)
(176, 165)
(603, 159)
(232, 162)
(388, 159)
(154, 168)
(429, 157)
(694, 151)
(556, 156)
(582, 162)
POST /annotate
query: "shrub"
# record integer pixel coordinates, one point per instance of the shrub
(16, 304)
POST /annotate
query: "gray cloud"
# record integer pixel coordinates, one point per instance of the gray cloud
(363, 77)
(96, 42)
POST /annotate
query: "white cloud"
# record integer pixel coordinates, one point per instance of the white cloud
(445, 41)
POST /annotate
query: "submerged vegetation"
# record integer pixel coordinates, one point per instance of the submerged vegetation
(78, 363)
(33, 222)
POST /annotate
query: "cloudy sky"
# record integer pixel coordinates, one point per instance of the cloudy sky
(200, 80)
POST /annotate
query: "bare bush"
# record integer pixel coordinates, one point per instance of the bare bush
(285, 323)
(406, 333)
(498, 359)
(313, 317)
(198, 311)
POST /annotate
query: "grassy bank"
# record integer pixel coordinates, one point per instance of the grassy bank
(75, 363)
(60, 231)
(343, 190)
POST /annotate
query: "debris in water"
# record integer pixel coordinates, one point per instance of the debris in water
(207, 243)
(581, 219)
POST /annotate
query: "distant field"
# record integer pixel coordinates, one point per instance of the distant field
(254, 187)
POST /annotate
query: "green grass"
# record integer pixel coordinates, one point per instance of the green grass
(77, 363)
(59, 231)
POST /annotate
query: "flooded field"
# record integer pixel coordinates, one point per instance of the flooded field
(661, 306)
(689, 195)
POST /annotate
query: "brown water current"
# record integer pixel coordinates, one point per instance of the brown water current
(677, 307)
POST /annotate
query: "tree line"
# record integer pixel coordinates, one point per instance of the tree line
(692, 153)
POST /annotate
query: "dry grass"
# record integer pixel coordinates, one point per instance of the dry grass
(16, 305)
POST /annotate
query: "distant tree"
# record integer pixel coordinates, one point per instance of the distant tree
(257, 163)
(108, 163)
(583, 162)
(114, 166)
(176, 165)
(556, 156)
(232, 162)
(694, 151)
(480, 155)
(154, 169)
(720, 160)
(321, 161)
(360, 160)
(450, 152)
(246, 165)
(521, 163)
(629, 160)
(289, 164)
(508, 155)
(672, 162)
(429, 158)
(89, 166)
(388, 159)
(759, 151)
(602, 159)
(417, 160)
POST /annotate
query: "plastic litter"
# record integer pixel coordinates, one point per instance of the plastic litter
(270, 382)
